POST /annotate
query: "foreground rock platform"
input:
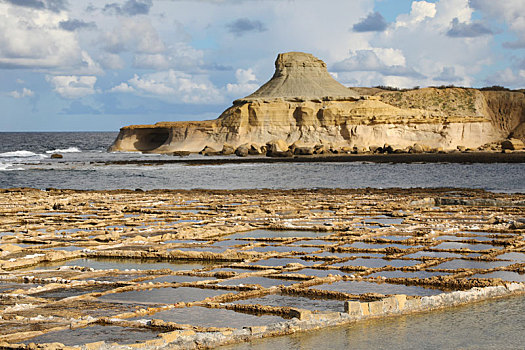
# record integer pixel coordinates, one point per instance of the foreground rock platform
(303, 108)
(202, 268)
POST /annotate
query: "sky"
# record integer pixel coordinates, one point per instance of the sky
(68, 65)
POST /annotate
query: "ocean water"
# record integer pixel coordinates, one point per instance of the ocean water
(25, 161)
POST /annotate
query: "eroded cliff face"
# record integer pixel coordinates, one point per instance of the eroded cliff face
(303, 105)
(506, 110)
(359, 123)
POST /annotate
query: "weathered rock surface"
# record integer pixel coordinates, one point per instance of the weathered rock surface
(303, 103)
(512, 144)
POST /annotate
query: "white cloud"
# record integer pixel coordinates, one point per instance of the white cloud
(246, 83)
(21, 94)
(135, 35)
(388, 62)
(420, 11)
(416, 50)
(88, 65)
(512, 12)
(32, 38)
(448, 75)
(111, 61)
(244, 76)
(173, 86)
(179, 56)
(122, 87)
(448, 10)
(72, 86)
(508, 78)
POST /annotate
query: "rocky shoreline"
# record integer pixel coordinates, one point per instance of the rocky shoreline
(455, 157)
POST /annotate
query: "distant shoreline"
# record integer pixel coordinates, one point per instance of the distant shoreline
(469, 157)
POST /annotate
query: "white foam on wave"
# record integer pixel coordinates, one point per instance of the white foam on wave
(20, 154)
(65, 150)
(8, 167)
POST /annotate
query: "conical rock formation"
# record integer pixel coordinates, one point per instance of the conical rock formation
(303, 105)
(301, 76)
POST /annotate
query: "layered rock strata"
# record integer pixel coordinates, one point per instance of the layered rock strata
(302, 105)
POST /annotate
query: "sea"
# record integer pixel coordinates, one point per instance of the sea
(25, 161)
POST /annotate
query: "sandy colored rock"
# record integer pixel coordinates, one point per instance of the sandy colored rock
(303, 103)
(209, 151)
(242, 150)
(227, 150)
(512, 144)
(301, 76)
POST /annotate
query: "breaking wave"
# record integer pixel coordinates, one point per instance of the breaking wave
(65, 150)
(22, 154)
(8, 167)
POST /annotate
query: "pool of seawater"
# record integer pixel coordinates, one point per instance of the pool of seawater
(279, 262)
(205, 317)
(394, 237)
(321, 273)
(262, 281)
(459, 245)
(383, 219)
(179, 279)
(200, 249)
(109, 334)
(377, 262)
(504, 275)
(163, 295)
(349, 255)
(362, 287)
(61, 293)
(296, 301)
(70, 248)
(230, 243)
(367, 245)
(279, 234)
(471, 264)
(423, 253)
(314, 242)
(514, 256)
(9, 286)
(284, 249)
(407, 274)
(495, 324)
(123, 264)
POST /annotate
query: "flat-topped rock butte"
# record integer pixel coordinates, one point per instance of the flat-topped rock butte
(304, 107)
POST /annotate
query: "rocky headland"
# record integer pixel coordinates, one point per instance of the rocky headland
(302, 110)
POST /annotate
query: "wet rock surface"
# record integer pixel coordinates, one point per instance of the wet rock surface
(87, 265)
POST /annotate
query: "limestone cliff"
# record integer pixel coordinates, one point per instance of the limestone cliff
(303, 105)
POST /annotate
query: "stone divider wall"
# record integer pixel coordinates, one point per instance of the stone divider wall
(305, 320)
